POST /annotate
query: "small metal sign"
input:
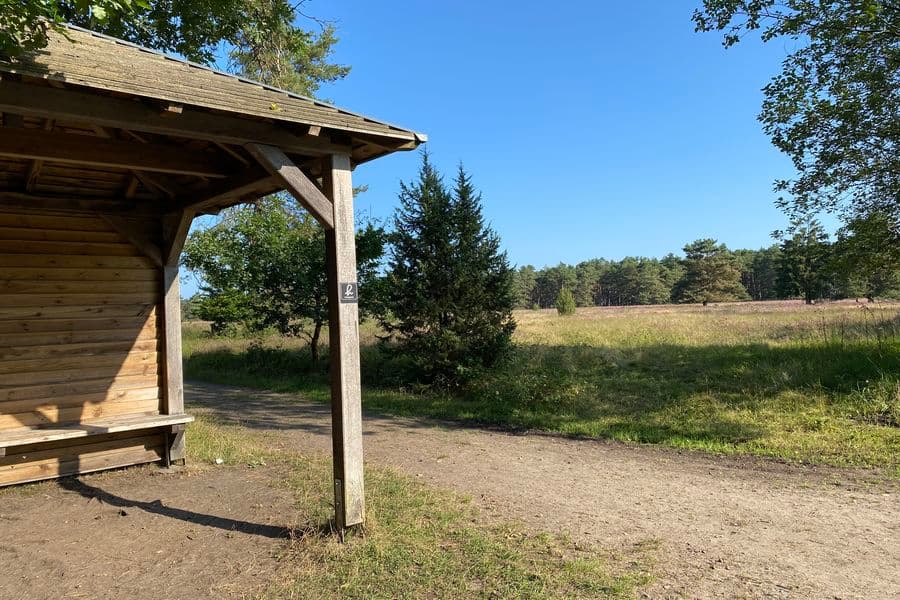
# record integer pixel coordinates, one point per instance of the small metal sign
(350, 292)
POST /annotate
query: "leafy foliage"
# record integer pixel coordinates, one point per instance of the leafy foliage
(565, 302)
(262, 37)
(864, 264)
(264, 266)
(450, 288)
(24, 25)
(834, 107)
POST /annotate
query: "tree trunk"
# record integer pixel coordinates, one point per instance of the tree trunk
(314, 341)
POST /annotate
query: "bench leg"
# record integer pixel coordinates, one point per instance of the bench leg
(175, 451)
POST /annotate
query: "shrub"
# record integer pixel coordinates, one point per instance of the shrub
(565, 302)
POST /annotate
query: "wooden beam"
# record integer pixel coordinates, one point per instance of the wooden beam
(72, 105)
(175, 231)
(232, 191)
(173, 380)
(169, 189)
(295, 181)
(68, 203)
(135, 236)
(96, 151)
(233, 154)
(343, 326)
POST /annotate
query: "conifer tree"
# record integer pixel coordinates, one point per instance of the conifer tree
(450, 286)
(711, 274)
(804, 262)
(565, 302)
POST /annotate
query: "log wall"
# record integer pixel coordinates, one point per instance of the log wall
(79, 340)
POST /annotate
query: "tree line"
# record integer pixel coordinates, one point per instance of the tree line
(807, 264)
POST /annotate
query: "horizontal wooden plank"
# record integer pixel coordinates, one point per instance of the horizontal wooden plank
(70, 202)
(66, 248)
(34, 366)
(56, 312)
(86, 171)
(25, 300)
(77, 446)
(124, 113)
(12, 438)
(86, 463)
(38, 221)
(78, 287)
(81, 400)
(69, 261)
(89, 323)
(59, 235)
(91, 275)
(59, 390)
(48, 416)
(59, 376)
(86, 350)
(23, 340)
(55, 147)
(69, 449)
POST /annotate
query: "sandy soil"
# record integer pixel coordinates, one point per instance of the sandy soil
(723, 527)
(143, 534)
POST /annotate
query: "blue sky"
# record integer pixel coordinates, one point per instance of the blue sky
(592, 128)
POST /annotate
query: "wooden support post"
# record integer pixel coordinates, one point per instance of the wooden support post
(346, 397)
(175, 229)
(173, 383)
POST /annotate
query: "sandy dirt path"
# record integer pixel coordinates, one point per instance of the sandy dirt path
(724, 527)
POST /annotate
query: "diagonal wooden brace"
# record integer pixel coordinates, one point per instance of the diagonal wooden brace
(295, 181)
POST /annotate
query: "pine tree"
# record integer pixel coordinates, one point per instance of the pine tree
(803, 267)
(450, 286)
(711, 274)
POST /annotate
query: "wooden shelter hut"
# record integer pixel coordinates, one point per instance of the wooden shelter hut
(107, 153)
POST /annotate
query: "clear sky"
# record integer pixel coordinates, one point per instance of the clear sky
(593, 129)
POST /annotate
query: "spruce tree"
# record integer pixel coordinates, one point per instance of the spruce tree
(450, 286)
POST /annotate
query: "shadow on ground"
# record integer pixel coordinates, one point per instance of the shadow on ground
(75, 484)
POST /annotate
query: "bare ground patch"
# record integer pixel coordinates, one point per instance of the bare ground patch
(721, 527)
(141, 534)
(725, 527)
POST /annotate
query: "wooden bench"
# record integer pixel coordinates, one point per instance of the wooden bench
(11, 438)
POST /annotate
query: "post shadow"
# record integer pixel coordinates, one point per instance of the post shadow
(75, 484)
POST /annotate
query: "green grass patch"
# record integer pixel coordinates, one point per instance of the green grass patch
(813, 384)
(418, 542)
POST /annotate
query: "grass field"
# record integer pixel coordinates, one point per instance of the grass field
(418, 542)
(817, 383)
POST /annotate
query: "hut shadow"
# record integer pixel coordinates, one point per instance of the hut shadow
(156, 507)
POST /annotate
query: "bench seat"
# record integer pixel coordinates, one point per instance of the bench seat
(11, 438)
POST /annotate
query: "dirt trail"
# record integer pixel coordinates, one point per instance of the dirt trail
(726, 528)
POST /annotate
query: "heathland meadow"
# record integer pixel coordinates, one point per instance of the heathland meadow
(817, 384)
